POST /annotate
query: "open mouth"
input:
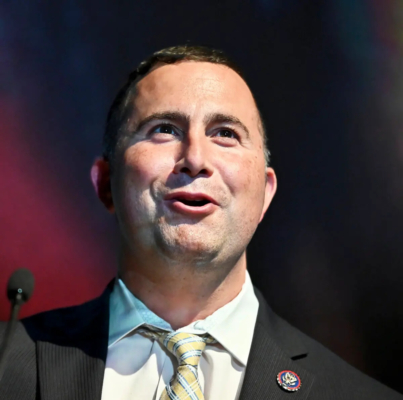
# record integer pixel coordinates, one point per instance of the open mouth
(193, 203)
(188, 201)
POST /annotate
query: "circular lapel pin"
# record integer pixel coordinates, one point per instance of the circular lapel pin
(289, 381)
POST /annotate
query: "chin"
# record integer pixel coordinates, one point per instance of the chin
(185, 246)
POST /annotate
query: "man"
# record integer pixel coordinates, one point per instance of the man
(186, 172)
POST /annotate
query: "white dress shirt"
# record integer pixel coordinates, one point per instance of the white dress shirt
(139, 368)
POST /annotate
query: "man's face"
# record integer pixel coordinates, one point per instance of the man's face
(189, 180)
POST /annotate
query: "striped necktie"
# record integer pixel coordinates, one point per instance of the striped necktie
(187, 348)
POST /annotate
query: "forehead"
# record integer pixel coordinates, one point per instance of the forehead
(195, 88)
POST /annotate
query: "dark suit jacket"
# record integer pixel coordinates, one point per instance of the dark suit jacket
(60, 355)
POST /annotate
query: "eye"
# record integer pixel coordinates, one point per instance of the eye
(227, 133)
(165, 128)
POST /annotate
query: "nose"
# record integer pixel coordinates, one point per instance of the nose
(194, 157)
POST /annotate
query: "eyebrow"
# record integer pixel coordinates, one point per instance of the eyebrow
(166, 115)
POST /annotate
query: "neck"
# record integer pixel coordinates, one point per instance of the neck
(183, 294)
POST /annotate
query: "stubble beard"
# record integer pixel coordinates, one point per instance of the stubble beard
(189, 244)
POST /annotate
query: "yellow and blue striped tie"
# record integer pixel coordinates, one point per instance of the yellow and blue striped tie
(187, 348)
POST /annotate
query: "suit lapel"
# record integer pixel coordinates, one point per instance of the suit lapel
(71, 359)
(275, 347)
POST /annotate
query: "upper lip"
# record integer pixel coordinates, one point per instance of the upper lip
(190, 196)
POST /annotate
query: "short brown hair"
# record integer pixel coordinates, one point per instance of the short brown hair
(119, 111)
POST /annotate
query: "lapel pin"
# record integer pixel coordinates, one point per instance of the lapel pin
(289, 381)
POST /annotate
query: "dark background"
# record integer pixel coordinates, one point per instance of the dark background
(328, 76)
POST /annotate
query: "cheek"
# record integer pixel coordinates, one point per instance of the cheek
(143, 165)
(245, 177)
(246, 180)
(141, 169)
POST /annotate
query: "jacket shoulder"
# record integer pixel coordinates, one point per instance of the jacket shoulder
(84, 326)
(62, 324)
(334, 377)
(68, 322)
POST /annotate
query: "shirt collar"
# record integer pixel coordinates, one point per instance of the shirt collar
(231, 325)
(235, 331)
(127, 313)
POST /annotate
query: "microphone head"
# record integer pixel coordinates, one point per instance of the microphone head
(20, 286)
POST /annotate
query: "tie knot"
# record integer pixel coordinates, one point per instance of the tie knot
(186, 347)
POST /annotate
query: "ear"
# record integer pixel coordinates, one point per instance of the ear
(101, 180)
(270, 190)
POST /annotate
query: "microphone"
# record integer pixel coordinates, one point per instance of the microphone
(19, 290)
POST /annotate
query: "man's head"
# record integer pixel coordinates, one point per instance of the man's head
(120, 109)
(190, 180)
